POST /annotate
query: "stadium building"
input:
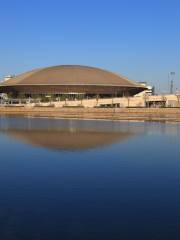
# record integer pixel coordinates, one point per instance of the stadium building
(70, 79)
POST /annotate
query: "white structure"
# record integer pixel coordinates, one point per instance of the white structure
(8, 77)
(148, 92)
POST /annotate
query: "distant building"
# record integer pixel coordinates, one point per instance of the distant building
(167, 100)
(149, 91)
(8, 77)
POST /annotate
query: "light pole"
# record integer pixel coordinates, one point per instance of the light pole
(171, 76)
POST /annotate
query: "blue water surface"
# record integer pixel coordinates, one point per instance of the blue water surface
(74, 179)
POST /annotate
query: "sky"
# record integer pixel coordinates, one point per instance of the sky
(139, 39)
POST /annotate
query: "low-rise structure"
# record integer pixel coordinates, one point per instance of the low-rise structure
(167, 100)
(148, 91)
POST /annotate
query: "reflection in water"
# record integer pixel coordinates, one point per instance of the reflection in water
(67, 140)
(63, 135)
(58, 134)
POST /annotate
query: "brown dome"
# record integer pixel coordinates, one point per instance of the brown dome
(68, 78)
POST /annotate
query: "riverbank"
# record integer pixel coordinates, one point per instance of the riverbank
(144, 114)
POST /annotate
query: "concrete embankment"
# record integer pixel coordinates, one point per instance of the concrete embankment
(146, 114)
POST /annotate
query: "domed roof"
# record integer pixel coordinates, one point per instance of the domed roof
(70, 75)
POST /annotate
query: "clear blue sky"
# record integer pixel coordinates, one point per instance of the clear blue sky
(136, 38)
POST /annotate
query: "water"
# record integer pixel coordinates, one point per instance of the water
(70, 179)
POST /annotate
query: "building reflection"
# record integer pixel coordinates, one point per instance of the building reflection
(72, 135)
(65, 135)
(67, 140)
